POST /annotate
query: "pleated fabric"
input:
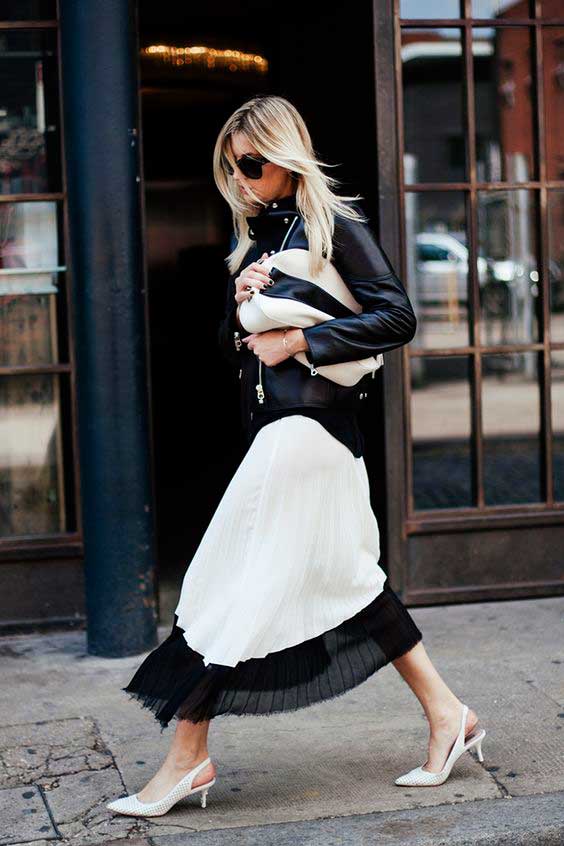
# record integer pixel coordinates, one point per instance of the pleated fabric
(291, 551)
(173, 681)
(284, 603)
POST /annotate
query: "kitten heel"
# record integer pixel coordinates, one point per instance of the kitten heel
(204, 797)
(477, 742)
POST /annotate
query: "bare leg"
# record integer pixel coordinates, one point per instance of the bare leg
(189, 746)
(442, 708)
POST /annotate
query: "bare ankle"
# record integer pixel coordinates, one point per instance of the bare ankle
(185, 758)
(441, 714)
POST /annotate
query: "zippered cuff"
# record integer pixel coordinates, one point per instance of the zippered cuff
(309, 351)
(234, 326)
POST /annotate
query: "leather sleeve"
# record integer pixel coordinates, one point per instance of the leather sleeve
(387, 320)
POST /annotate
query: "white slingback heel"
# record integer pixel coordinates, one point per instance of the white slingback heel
(131, 806)
(418, 777)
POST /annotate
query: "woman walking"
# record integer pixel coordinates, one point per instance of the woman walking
(284, 603)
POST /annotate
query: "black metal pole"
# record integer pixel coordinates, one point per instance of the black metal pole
(100, 107)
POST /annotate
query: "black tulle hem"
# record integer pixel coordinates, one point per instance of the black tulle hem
(173, 681)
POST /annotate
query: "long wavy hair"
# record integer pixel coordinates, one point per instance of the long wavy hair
(278, 132)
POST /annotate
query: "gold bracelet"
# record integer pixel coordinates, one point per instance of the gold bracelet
(285, 344)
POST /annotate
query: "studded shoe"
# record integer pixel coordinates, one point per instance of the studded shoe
(418, 777)
(132, 806)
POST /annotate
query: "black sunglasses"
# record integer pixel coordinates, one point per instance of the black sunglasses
(250, 166)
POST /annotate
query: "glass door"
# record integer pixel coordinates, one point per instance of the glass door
(480, 129)
(38, 478)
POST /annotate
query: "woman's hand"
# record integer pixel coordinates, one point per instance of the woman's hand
(254, 275)
(270, 348)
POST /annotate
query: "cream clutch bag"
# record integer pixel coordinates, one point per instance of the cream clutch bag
(299, 300)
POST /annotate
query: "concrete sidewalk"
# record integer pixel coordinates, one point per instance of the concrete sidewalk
(71, 740)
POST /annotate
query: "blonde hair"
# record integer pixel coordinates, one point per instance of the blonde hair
(277, 131)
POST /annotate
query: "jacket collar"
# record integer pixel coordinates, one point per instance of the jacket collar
(273, 219)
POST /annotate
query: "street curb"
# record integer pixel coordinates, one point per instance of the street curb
(517, 821)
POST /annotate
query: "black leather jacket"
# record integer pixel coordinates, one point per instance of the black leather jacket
(386, 322)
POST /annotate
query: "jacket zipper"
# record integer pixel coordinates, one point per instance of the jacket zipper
(287, 235)
(259, 387)
(260, 390)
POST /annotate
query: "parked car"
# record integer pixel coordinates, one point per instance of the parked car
(442, 268)
(442, 272)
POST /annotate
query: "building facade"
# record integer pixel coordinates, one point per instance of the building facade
(446, 116)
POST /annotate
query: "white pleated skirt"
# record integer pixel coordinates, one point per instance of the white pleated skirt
(291, 551)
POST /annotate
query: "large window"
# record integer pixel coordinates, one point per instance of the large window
(37, 474)
(482, 174)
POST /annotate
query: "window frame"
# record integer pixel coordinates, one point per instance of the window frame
(481, 513)
(61, 544)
